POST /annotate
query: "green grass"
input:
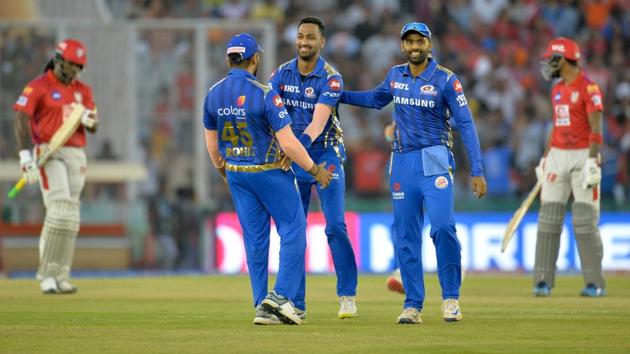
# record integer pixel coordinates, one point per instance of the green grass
(213, 314)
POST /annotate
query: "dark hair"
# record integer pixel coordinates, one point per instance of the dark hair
(315, 21)
(236, 59)
(50, 65)
(572, 62)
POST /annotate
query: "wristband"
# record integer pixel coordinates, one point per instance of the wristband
(314, 170)
(596, 138)
(305, 139)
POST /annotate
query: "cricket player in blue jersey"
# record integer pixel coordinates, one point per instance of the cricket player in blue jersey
(247, 131)
(425, 95)
(310, 89)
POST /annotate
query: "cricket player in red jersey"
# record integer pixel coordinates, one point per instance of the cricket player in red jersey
(570, 166)
(41, 110)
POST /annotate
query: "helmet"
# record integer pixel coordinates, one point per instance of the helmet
(564, 47)
(72, 50)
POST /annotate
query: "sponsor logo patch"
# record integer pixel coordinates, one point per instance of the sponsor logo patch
(334, 84)
(240, 101)
(592, 88)
(441, 182)
(56, 95)
(22, 101)
(457, 86)
(399, 86)
(597, 100)
(27, 90)
(557, 97)
(277, 101)
(563, 118)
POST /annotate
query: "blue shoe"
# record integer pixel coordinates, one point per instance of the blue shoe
(592, 291)
(542, 290)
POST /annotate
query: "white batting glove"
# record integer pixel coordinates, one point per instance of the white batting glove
(540, 170)
(89, 119)
(591, 173)
(30, 172)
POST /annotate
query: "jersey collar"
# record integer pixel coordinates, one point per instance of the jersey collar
(317, 71)
(428, 71)
(241, 72)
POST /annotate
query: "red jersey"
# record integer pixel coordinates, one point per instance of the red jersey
(47, 101)
(571, 106)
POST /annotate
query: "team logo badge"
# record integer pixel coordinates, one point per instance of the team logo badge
(441, 182)
(557, 97)
(428, 90)
(309, 92)
(396, 186)
(240, 101)
(277, 101)
(80, 52)
(457, 86)
(334, 84)
(331, 168)
(27, 90)
(78, 97)
(592, 88)
(575, 96)
(56, 95)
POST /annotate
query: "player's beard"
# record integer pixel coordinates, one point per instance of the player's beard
(309, 55)
(419, 59)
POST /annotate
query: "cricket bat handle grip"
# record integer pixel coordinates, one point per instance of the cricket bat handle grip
(17, 188)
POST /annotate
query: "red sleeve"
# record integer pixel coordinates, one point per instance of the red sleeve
(89, 98)
(593, 99)
(29, 99)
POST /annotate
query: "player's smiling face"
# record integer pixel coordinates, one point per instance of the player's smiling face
(416, 48)
(309, 41)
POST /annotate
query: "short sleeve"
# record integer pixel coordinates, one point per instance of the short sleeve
(593, 98)
(209, 119)
(28, 100)
(331, 91)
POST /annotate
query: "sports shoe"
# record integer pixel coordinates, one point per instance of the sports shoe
(451, 311)
(410, 315)
(281, 307)
(301, 314)
(394, 282)
(263, 317)
(49, 286)
(542, 289)
(347, 307)
(65, 287)
(592, 291)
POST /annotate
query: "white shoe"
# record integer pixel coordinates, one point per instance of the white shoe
(66, 288)
(301, 314)
(281, 307)
(451, 311)
(347, 307)
(49, 286)
(410, 315)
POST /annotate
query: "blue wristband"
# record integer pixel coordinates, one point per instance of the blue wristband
(305, 139)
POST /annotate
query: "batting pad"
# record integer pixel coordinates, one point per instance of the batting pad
(57, 240)
(550, 221)
(589, 243)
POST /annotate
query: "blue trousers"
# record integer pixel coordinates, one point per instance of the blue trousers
(333, 206)
(411, 189)
(257, 197)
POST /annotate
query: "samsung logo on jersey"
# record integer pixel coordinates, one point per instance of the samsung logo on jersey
(298, 103)
(227, 111)
(414, 102)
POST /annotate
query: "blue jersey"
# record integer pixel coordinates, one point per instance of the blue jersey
(422, 108)
(246, 115)
(323, 85)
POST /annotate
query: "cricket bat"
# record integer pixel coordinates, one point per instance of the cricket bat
(518, 216)
(69, 126)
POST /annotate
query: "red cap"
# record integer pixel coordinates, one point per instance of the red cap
(563, 46)
(72, 50)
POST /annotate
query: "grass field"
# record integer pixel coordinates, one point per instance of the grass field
(213, 314)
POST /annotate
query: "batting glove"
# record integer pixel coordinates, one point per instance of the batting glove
(591, 173)
(540, 170)
(89, 119)
(30, 171)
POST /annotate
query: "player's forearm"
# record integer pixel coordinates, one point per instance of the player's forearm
(320, 118)
(596, 137)
(213, 148)
(293, 148)
(365, 99)
(22, 130)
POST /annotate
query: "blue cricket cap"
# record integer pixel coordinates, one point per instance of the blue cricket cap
(244, 44)
(417, 27)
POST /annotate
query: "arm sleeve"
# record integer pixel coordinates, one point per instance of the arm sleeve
(275, 112)
(378, 98)
(28, 100)
(209, 120)
(593, 99)
(89, 100)
(330, 91)
(458, 107)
